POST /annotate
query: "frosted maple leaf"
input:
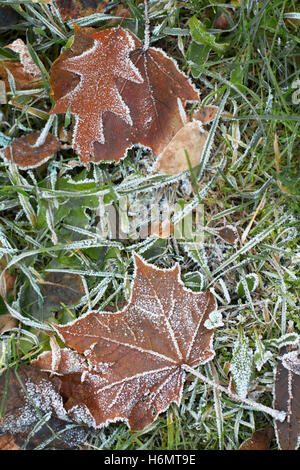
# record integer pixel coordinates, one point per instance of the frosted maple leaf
(121, 94)
(96, 92)
(129, 365)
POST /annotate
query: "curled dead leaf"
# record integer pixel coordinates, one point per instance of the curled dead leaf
(229, 234)
(26, 155)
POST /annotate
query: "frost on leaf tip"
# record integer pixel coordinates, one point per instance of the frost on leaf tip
(120, 94)
(134, 357)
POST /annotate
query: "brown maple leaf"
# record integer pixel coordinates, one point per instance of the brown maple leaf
(121, 94)
(130, 364)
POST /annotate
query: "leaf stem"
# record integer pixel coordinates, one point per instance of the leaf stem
(147, 27)
(276, 414)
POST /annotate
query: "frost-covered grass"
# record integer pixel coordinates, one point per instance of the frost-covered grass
(248, 179)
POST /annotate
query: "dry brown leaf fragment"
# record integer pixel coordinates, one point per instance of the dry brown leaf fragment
(73, 9)
(25, 154)
(29, 394)
(7, 442)
(223, 20)
(189, 141)
(8, 279)
(25, 72)
(205, 114)
(128, 365)
(25, 58)
(260, 440)
(135, 96)
(23, 80)
(62, 287)
(16, 416)
(7, 322)
(287, 398)
(229, 234)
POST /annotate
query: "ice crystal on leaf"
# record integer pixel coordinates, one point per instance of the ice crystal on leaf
(241, 365)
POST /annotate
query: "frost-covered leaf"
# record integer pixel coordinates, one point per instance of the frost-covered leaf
(215, 320)
(26, 154)
(202, 36)
(7, 442)
(250, 282)
(261, 356)
(25, 58)
(284, 340)
(72, 9)
(25, 73)
(241, 365)
(135, 96)
(33, 415)
(129, 365)
(287, 398)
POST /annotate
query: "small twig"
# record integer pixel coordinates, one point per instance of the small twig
(147, 27)
(280, 415)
